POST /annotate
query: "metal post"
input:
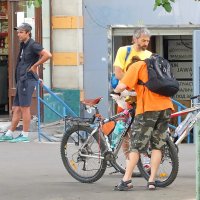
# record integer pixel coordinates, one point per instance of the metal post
(64, 112)
(38, 108)
(196, 87)
(197, 138)
(179, 117)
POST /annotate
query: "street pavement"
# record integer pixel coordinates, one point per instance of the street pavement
(34, 171)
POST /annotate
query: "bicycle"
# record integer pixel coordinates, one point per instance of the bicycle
(183, 129)
(192, 117)
(83, 125)
(85, 151)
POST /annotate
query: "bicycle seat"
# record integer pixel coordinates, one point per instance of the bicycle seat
(91, 102)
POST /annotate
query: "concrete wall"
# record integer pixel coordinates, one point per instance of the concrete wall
(46, 39)
(98, 15)
(67, 40)
(67, 44)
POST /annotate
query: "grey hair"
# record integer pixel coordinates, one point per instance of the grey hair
(139, 31)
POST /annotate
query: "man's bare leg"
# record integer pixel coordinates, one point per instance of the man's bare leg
(156, 156)
(15, 118)
(26, 116)
(133, 160)
(125, 184)
(8, 136)
(125, 146)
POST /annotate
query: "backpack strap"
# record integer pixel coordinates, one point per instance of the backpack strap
(128, 52)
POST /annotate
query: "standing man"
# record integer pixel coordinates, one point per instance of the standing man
(141, 39)
(30, 57)
(150, 123)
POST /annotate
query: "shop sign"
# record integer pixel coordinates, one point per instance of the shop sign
(179, 49)
(182, 70)
(186, 90)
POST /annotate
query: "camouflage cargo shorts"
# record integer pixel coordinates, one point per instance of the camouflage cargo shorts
(150, 127)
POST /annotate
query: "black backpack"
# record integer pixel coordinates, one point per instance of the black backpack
(160, 77)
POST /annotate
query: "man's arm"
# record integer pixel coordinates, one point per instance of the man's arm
(120, 88)
(44, 56)
(119, 63)
(119, 73)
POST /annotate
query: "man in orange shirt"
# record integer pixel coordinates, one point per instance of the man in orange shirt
(140, 40)
(150, 123)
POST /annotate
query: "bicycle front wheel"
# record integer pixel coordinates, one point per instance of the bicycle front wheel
(82, 162)
(168, 168)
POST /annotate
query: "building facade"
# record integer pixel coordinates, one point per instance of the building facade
(84, 35)
(59, 28)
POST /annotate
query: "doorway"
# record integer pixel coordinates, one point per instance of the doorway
(13, 13)
(178, 50)
(4, 59)
(174, 43)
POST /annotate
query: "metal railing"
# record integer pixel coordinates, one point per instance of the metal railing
(66, 109)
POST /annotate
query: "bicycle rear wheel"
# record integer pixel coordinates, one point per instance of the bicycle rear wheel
(168, 168)
(83, 164)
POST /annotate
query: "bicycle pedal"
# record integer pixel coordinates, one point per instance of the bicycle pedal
(115, 172)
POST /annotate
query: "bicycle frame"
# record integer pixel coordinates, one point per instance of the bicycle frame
(126, 129)
(87, 142)
(96, 121)
(97, 128)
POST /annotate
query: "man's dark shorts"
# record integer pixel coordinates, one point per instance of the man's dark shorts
(24, 92)
(150, 127)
